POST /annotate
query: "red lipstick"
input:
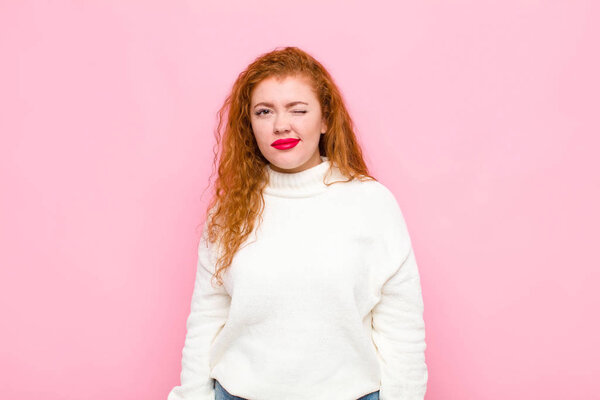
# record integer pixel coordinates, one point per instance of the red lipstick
(284, 144)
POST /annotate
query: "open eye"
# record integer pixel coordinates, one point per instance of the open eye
(259, 112)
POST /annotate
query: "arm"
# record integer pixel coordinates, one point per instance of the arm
(209, 311)
(398, 325)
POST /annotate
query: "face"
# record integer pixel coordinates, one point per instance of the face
(283, 110)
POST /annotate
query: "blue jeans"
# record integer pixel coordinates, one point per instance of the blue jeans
(222, 394)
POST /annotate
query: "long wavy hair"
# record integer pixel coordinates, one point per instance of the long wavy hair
(237, 201)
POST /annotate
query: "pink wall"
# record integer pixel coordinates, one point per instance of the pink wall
(482, 117)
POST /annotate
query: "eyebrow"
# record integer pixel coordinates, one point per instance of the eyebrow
(293, 103)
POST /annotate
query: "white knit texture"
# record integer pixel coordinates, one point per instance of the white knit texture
(322, 302)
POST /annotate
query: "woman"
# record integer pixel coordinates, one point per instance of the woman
(318, 293)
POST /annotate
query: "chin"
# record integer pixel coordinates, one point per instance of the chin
(284, 163)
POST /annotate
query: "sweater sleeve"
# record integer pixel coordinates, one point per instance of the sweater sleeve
(209, 311)
(398, 324)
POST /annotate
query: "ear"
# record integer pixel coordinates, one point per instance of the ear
(323, 126)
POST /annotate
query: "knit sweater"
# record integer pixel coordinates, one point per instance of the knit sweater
(322, 302)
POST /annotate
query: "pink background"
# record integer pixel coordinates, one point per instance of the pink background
(481, 116)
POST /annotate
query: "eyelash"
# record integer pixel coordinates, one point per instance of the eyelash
(259, 112)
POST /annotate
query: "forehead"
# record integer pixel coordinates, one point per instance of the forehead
(287, 88)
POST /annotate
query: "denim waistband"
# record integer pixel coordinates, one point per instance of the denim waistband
(222, 394)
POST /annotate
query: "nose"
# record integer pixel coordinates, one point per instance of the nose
(281, 124)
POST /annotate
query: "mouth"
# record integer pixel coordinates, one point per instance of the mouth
(284, 141)
(283, 144)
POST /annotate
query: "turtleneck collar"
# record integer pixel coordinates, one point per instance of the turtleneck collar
(304, 183)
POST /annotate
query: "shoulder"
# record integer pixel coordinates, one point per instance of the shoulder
(374, 195)
(381, 208)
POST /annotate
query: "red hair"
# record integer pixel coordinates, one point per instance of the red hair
(237, 201)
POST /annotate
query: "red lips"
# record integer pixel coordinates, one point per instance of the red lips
(283, 141)
(283, 144)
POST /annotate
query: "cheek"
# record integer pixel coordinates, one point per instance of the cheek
(308, 126)
(261, 130)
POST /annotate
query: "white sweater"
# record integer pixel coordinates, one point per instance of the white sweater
(322, 302)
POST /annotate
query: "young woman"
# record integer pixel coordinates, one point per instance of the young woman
(318, 293)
